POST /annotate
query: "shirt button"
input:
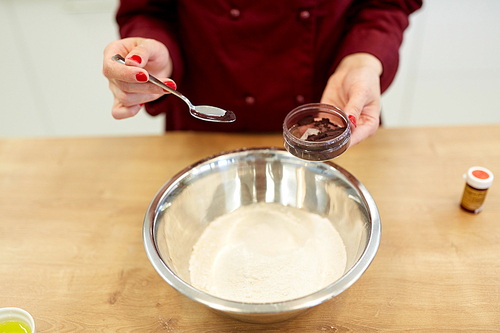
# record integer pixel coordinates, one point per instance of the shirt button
(250, 100)
(234, 13)
(300, 99)
(304, 15)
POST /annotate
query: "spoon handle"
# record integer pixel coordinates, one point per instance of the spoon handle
(118, 58)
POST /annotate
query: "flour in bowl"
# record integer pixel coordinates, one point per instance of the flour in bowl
(267, 252)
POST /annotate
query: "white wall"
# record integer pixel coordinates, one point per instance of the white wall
(50, 64)
(51, 82)
(450, 66)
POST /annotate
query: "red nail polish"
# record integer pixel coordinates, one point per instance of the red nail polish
(171, 84)
(136, 58)
(141, 77)
(353, 120)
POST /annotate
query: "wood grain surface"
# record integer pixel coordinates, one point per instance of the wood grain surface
(71, 251)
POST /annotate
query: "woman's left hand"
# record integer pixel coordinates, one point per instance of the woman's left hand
(354, 87)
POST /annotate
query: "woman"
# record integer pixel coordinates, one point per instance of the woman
(260, 59)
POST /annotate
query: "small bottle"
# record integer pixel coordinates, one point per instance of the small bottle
(478, 180)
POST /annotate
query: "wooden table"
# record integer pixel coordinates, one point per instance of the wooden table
(71, 251)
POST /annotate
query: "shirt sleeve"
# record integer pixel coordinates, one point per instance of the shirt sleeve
(376, 27)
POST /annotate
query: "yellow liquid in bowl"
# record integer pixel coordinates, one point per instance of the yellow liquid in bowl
(14, 327)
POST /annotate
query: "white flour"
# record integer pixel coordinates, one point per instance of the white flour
(267, 252)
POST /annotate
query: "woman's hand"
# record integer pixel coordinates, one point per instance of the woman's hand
(355, 88)
(129, 83)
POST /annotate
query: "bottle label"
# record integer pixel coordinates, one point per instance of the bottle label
(473, 199)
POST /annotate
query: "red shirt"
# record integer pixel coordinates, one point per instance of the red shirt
(261, 59)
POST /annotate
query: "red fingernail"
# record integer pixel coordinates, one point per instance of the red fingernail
(141, 77)
(171, 84)
(353, 120)
(136, 58)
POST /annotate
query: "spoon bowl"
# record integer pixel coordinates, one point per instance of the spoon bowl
(202, 112)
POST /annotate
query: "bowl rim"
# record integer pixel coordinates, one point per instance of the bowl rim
(15, 313)
(302, 303)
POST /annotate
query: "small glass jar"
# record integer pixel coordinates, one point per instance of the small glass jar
(320, 150)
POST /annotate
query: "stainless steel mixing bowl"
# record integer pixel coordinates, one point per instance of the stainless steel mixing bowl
(197, 195)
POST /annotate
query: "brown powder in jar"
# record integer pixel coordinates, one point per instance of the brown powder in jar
(310, 129)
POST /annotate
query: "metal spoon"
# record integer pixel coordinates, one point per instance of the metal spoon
(203, 112)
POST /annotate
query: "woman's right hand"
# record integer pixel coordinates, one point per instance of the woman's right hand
(129, 83)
